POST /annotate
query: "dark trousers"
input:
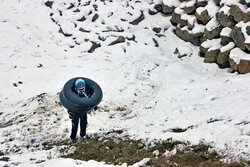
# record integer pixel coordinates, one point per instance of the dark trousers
(83, 124)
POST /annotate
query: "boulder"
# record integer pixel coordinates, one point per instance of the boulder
(211, 56)
(183, 22)
(213, 33)
(158, 7)
(189, 37)
(225, 40)
(225, 36)
(175, 19)
(206, 45)
(120, 39)
(223, 60)
(247, 18)
(238, 37)
(190, 7)
(237, 13)
(225, 20)
(223, 57)
(239, 61)
(212, 29)
(167, 10)
(201, 3)
(243, 67)
(202, 16)
(95, 17)
(138, 20)
(49, 4)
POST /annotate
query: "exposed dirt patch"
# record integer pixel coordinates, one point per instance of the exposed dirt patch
(117, 151)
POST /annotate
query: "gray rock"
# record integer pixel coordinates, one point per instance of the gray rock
(225, 21)
(238, 38)
(175, 19)
(120, 39)
(225, 40)
(213, 33)
(95, 17)
(223, 59)
(211, 56)
(188, 37)
(203, 17)
(138, 20)
(167, 10)
(237, 13)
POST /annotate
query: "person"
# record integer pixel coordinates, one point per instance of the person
(81, 90)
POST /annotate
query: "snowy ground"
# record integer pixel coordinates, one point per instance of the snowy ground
(160, 92)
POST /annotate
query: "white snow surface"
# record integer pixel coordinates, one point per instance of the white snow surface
(159, 91)
(227, 47)
(171, 3)
(226, 31)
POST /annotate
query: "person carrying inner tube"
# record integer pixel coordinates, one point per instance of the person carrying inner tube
(81, 90)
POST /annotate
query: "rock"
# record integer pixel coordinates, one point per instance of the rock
(201, 3)
(120, 39)
(49, 4)
(83, 30)
(158, 7)
(212, 29)
(225, 36)
(138, 20)
(211, 56)
(238, 37)
(239, 61)
(225, 20)
(247, 18)
(167, 10)
(82, 19)
(156, 43)
(213, 44)
(190, 9)
(95, 7)
(183, 22)
(243, 67)
(175, 19)
(188, 37)
(223, 57)
(94, 46)
(203, 16)
(95, 17)
(237, 13)
(225, 40)
(157, 29)
(71, 6)
(65, 34)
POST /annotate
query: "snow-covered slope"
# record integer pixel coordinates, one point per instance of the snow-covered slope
(160, 92)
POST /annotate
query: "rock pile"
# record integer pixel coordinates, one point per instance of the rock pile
(221, 29)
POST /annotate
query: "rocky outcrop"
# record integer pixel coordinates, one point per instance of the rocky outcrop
(216, 33)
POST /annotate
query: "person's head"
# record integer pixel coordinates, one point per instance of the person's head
(80, 83)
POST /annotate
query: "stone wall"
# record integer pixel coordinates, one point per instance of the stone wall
(216, 26)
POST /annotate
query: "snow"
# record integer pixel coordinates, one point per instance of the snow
(229, 46)
(171, 3)
(237, 54)
(212, 44)
(225, 9)
(212, 24)
(226, 32)
(211, 8)
(160, 91)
